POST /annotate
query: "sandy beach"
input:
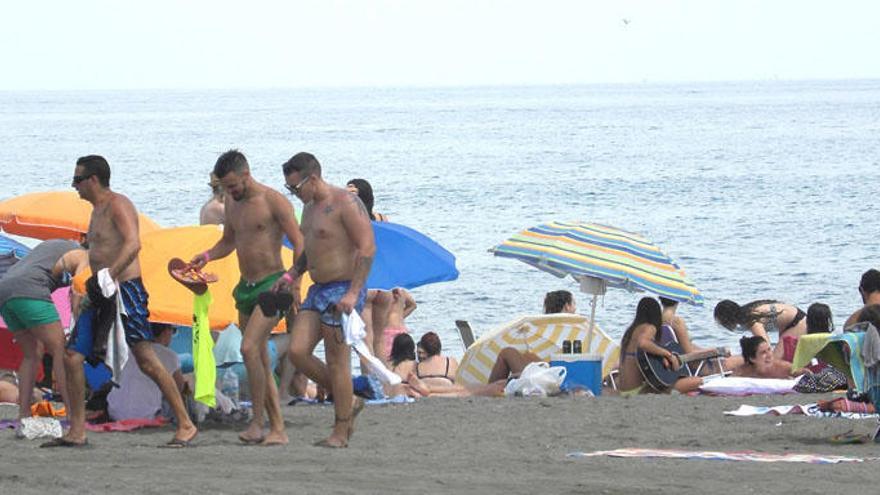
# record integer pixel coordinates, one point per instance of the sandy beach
(478, 445)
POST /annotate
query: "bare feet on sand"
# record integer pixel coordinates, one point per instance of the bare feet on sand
(253, 435)
(336, 440)
(275, 438)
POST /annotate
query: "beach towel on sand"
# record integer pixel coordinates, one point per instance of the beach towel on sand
(127, 424)
(746, 455)
(811, 410)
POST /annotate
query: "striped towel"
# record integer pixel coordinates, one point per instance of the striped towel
(745, 455)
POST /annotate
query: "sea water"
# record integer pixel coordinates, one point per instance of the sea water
(759, 190)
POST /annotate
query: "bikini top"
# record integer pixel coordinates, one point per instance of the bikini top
(444, 375)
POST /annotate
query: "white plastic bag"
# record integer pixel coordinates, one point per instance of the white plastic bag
(537, 380)
(39, 427)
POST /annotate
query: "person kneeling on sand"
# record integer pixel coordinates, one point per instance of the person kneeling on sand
(760, 361)
(643, 334)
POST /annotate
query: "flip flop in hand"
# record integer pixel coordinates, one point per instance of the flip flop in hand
(191, 277)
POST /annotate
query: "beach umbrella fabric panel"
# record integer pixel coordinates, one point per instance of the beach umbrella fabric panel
(623, 259)
(10, 252)
(53, 215)
(407, 258)
(540, 334)
(170, 302)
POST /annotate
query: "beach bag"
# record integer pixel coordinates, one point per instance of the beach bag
(537, 380)
(827, 379)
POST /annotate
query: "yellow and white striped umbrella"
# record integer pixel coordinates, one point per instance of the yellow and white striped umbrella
(540, 334)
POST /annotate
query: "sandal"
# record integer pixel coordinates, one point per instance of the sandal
(191, 278)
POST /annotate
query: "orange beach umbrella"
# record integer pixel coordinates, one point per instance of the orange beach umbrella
(171, 302)
(52, 215)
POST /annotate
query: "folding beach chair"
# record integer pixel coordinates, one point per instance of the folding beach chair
(466, 333)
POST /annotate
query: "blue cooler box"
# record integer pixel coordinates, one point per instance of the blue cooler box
(583, 370)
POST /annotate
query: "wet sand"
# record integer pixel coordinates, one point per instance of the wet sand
(474, 445)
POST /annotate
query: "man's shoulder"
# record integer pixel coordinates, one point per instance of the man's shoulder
(119, 200)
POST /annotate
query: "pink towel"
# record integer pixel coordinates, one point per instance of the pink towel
(127, 424)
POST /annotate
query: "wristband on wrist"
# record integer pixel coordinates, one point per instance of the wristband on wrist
(287, 278)
(206, 256)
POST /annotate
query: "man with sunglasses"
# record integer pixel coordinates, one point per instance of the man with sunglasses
(339, 250)
(257, 218)
(114, 244)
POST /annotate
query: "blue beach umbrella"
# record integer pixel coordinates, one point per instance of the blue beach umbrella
(407, 258)
(10, 252)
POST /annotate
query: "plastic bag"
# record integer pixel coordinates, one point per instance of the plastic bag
(39, 427)
(537, 380)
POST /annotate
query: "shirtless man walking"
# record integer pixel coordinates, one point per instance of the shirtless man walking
(339, 250)
(114, 244)
(257, 217)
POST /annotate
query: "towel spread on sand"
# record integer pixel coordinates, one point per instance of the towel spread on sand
(745, 455)
(811, 410)
(127, 424)
(739, 385)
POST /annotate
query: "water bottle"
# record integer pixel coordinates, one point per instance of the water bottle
(229, 385)
(566, 347)
(576, 347)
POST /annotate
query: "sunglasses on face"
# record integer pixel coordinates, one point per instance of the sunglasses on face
(79, 178)
(295, 189)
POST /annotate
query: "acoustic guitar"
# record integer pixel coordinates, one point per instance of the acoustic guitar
(661, 378)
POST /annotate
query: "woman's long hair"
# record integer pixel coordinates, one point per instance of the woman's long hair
(731, 315)
(648, 311)
(403, 348)
(365, 192)
(819, 318)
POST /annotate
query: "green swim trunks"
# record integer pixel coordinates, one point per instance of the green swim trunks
(21, 313)
(245, 293)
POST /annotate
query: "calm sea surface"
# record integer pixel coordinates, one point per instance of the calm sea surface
(759, 190)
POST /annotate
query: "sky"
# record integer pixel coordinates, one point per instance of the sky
(205, 44)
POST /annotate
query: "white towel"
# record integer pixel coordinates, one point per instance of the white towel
(117, 348)
(355, 331)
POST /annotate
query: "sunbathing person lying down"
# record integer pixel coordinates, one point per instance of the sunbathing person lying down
(759, 361)
(509, 364)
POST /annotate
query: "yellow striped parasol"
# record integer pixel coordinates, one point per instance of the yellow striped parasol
(540, 334)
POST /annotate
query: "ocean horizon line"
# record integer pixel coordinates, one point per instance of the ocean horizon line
(435, 87)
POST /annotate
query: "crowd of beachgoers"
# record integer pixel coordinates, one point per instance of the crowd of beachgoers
(334, 243)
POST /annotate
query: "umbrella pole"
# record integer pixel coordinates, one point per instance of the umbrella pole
(593, 316)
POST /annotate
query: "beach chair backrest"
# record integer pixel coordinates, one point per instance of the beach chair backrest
(466, 333)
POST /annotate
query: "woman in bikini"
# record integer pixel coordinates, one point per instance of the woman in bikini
(644, 334)
(433, 368)
(762, 318)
